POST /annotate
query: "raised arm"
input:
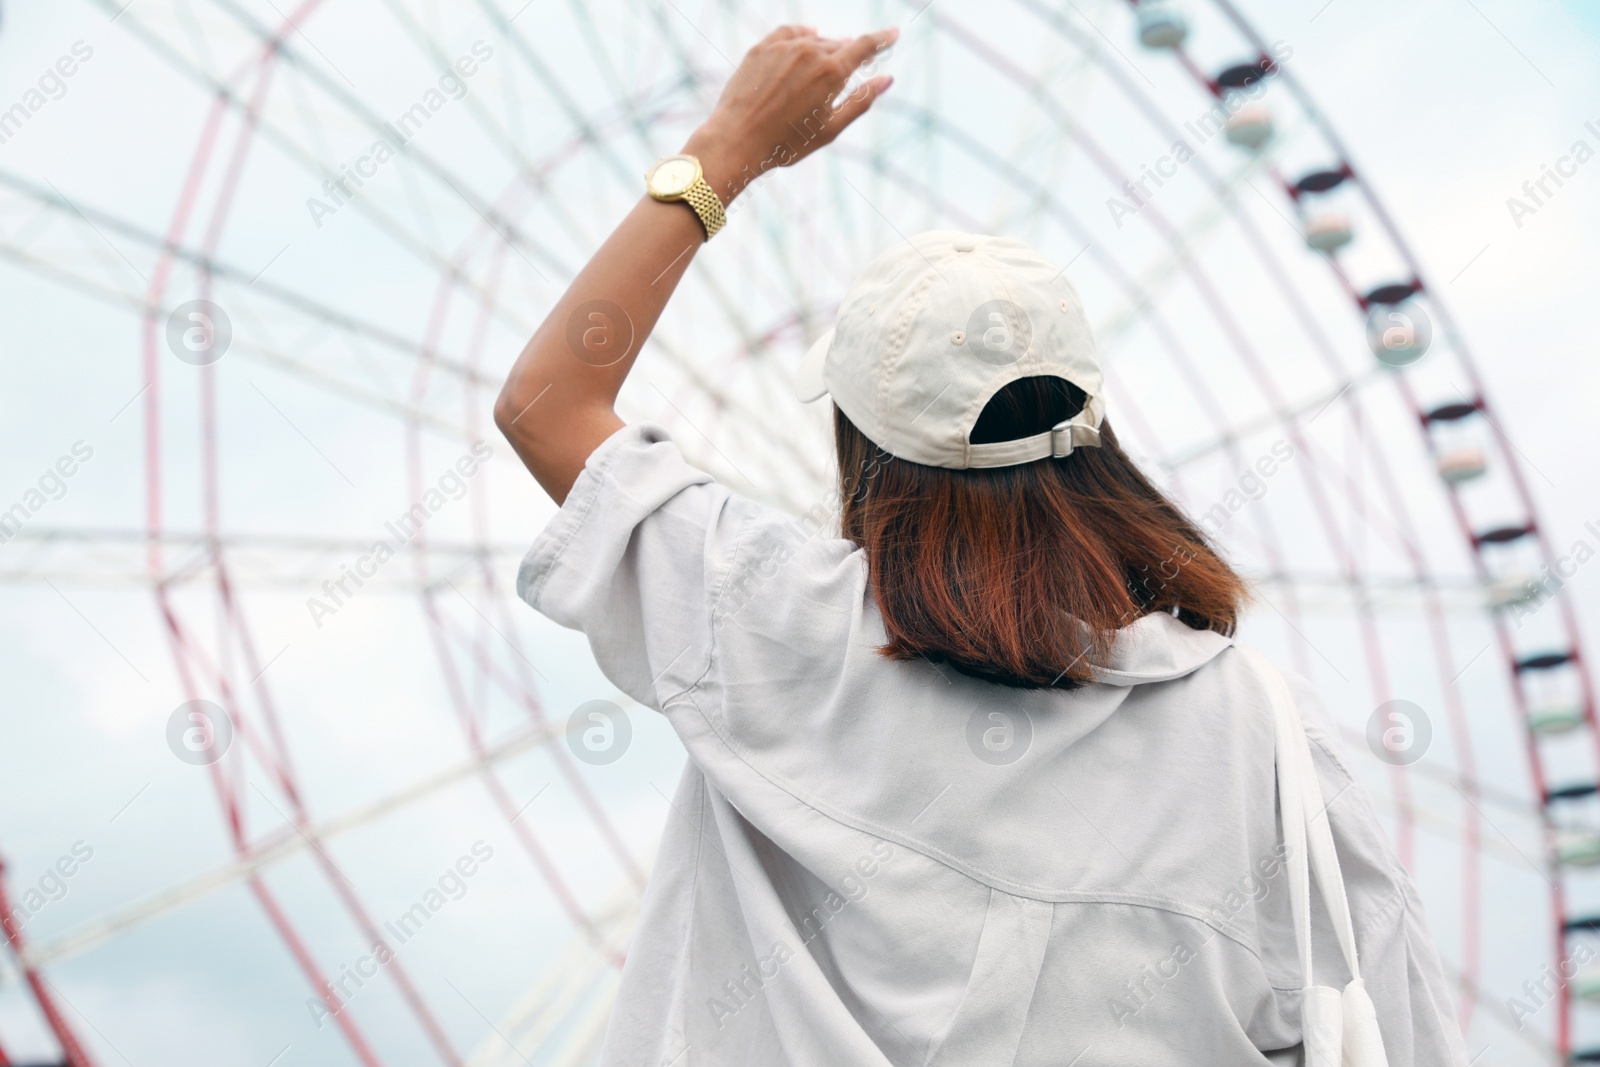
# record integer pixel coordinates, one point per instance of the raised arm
(783, 103)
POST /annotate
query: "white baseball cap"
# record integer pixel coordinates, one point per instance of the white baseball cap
(933, 328)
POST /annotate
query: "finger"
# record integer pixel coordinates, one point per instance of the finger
(855, 105)
(785, 32)
(862, 48)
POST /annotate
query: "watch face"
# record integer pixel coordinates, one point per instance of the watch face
(673, 176)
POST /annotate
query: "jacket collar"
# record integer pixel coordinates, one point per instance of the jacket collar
(1157, 648)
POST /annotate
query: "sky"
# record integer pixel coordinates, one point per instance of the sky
(1451, 109)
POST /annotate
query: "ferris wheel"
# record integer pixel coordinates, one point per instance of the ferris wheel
(1275, 354)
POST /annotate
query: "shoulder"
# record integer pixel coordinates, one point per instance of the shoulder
(664, 568)
(787, 565)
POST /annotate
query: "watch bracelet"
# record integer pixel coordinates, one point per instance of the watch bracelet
(707, 205)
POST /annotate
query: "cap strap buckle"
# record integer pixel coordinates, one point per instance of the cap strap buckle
(1066, 436)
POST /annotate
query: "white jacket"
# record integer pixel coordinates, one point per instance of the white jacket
(880, 863)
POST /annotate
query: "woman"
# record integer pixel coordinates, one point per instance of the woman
(982, 780)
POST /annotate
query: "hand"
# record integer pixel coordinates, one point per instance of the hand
(783, 103)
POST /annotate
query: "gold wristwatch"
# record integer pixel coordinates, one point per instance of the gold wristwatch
(680, 178)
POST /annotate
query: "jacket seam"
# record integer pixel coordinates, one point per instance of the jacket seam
(971, 871)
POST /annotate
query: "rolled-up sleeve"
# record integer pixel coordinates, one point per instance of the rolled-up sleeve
(634, 559)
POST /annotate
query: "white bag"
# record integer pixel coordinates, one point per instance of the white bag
(1338, 1029)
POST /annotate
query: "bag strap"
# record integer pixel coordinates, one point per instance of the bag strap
(1337, 1028)
(1305, 824)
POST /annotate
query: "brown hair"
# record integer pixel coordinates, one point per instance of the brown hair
(1022, 575)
